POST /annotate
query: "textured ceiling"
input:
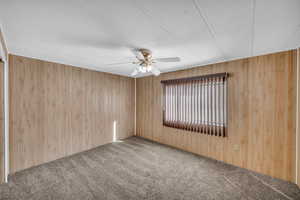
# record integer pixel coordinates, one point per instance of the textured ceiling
(99, 34)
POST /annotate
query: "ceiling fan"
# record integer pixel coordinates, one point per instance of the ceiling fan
(146, 63)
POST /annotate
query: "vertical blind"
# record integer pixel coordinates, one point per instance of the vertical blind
(196, 104)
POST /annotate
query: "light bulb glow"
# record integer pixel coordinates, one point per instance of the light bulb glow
(149, 68)
(144, 69)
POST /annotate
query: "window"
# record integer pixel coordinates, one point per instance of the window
(196, 104)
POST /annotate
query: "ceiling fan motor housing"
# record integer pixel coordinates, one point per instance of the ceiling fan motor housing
(146, 53)
(146, 63)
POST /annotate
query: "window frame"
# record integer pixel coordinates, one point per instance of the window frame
(211, 126)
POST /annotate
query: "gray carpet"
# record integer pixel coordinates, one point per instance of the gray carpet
(140, 169)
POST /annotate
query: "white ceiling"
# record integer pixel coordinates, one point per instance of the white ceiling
(97, 33)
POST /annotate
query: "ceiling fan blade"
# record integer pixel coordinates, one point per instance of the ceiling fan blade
(135, 72)
(171, 59)
(155, 71)
(138, 54)
(120, 63)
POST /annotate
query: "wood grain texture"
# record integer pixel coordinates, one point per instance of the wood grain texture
(1, 123)
(297, 60)
(58, 110)
(261, 117)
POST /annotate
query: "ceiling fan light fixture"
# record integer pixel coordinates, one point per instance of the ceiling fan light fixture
(147, 63)
(149, 68)
(143, 69)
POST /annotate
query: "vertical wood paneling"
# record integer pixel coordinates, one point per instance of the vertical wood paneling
(297, 61)
(1, 123)
(261, 116)
(58, 110)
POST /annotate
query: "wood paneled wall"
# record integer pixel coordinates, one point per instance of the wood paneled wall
(261, 121)
(298, 118)
(58, 110)
(1, 123)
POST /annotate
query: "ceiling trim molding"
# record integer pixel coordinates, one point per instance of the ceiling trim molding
(209, 27)
(82, 67)
(4, 48)
(147, 14)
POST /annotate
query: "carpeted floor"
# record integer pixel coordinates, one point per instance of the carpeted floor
(140, 169)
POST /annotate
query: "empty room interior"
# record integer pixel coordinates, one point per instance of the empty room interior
(132, 100)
